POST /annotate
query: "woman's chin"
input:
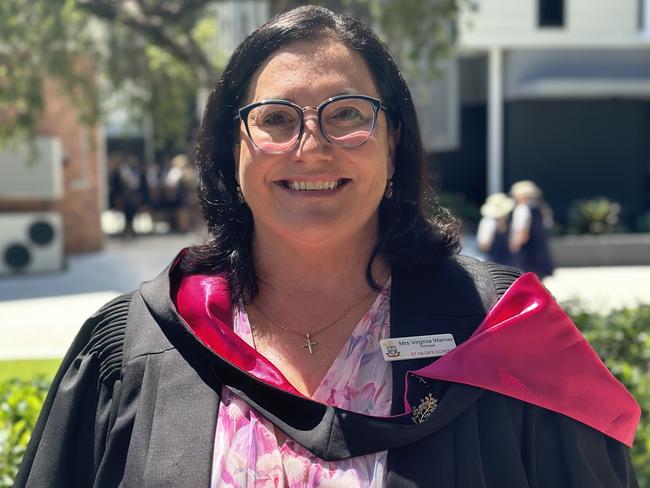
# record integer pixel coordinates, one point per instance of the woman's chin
(322, 233)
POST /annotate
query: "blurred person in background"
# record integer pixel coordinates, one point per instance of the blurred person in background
(532, 219)
(181, 183)
(124, 189)
(151, 190)
(493, 234)
(130, 172)
(328, 334)
(115, 185)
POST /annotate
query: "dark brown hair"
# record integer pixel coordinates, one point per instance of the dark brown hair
(406, 236)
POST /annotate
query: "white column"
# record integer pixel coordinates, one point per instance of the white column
(495, 121)
(645, 25)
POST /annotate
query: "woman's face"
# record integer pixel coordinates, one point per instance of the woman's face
(307, 73)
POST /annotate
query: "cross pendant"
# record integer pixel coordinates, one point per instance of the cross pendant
(309, 344)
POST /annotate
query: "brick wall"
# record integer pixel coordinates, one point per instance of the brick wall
(84, 183)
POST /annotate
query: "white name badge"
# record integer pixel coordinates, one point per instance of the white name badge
(417, 347)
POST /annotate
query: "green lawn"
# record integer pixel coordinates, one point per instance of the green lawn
(26, 369)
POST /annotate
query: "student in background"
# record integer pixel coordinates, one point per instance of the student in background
(180, 189)
(531, 220)
(494, 229)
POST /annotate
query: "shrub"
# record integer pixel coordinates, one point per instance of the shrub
(596, 216)
(20, 403)
(622, 340)
(468, 213)
(643, 222)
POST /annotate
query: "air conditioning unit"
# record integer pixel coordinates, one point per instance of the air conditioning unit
(31, 242)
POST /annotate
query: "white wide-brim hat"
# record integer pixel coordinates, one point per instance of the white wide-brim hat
(497, 206)
(525, 188)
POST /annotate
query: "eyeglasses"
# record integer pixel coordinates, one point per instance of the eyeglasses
(276, 126)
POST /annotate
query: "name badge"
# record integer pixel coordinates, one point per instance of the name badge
(417, 347)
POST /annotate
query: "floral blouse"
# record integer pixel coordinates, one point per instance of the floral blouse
(246, 453)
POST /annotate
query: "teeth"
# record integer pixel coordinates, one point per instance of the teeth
(312, 185)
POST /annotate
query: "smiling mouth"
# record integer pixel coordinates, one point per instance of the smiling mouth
(313, 185)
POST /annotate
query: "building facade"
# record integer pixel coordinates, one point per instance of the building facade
(557, 91)
(57, 178)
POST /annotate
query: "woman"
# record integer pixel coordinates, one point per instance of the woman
(298, 347)
(531, 221)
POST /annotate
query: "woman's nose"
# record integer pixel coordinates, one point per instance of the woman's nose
(312, 139)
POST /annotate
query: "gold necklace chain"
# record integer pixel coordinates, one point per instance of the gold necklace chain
(310, 335)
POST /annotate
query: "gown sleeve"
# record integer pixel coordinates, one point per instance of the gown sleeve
(507, 443)
(560, 451)
(68, 441)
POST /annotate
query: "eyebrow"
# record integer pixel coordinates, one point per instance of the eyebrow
(344, 91)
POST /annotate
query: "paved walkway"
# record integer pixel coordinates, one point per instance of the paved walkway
(39, 315)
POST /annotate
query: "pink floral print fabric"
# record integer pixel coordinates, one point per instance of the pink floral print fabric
(246, 453)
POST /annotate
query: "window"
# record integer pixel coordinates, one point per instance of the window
(550, 13)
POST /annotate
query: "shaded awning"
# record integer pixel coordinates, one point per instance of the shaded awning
(582, 88)
(564, 73)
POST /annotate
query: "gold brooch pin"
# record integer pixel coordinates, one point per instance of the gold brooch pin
(424, 410)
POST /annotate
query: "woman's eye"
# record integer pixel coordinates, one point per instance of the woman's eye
(277, 119)
(346, 114)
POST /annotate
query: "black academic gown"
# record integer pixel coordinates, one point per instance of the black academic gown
(135, 403)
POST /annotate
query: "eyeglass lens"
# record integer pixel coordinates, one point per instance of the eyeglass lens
(275, 127)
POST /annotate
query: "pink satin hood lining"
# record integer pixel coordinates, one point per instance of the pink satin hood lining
(204, 302)
(539, 356)
(526, 348)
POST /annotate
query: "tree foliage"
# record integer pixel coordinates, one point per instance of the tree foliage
(418, 32)
(39, 40)
(170, 26)
(158, 55)
(421, 30)
(154, 53)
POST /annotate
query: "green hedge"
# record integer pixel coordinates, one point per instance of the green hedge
(20, 402)
(622, 339)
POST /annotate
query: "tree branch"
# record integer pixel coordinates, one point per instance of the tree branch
(151, 23)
